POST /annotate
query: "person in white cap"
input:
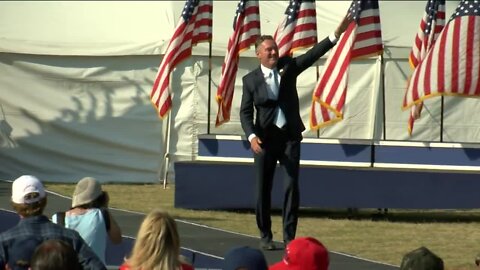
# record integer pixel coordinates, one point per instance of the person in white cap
(18, 244)
(90, 217)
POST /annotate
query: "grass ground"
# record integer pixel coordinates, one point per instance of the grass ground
(453, 235)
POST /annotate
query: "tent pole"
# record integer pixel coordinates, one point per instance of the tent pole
(166, 157)
(209, 84)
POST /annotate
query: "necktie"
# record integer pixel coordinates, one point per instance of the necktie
(280, 120)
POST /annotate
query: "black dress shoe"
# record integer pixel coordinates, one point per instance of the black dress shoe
(267, 245)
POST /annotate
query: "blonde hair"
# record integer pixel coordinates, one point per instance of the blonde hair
(157, 245)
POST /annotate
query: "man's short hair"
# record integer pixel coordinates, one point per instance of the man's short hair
(421, 259)
(30, 210)
(55, 254)
(261, 39)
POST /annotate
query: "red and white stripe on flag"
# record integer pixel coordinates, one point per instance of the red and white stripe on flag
(431, 25)
(298, 29)
(195, 26)
(245, 32)
(452, 65)
(362, 38)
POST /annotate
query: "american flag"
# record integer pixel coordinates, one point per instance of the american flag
(432, 23)
(195, 26)
(246, 29)
(433, 20)
(299, 27)
(362, 38)
(451, 66)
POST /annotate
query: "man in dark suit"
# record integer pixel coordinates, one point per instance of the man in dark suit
(277, 131)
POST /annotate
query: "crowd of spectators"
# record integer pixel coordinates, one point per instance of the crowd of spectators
(76, 238)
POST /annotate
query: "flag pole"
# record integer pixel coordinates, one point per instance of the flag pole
(166, 157)
(318, 76)
(441, 119)
(375, 101)
(209, 100)
(382, 78)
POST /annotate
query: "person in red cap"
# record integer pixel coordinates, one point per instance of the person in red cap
(305, 253)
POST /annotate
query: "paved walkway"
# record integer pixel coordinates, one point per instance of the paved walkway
(204, 246)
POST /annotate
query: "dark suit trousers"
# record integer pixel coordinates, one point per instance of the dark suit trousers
(277, 147)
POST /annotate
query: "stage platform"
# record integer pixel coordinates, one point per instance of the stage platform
(336, 174)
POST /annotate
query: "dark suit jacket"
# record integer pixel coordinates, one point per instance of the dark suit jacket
(255, 94)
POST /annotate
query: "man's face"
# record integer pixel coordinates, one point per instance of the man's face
(267, 52)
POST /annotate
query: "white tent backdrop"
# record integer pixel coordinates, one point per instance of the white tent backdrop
(76, 77)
